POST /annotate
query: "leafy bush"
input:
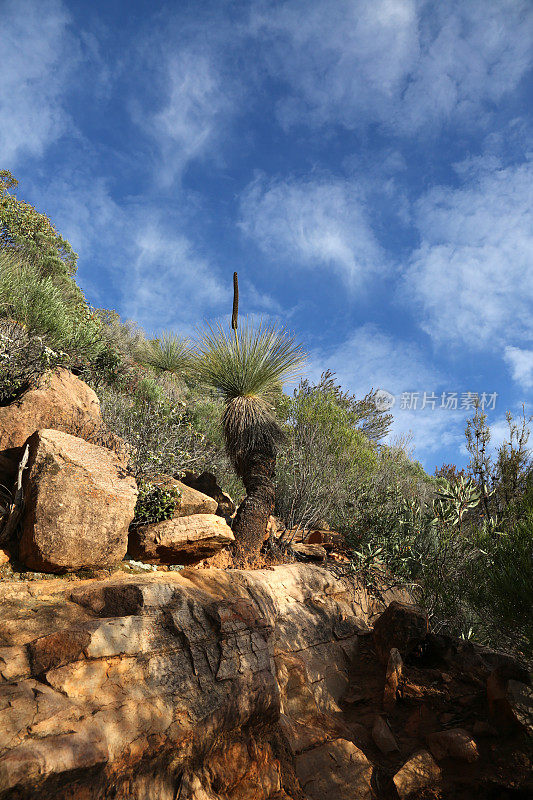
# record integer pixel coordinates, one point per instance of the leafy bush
(500, 586)
(156, 503)
(22, 228)
(159, 436)
(23, 360)
(325, 455)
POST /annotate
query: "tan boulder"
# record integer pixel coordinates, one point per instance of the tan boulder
(182, 540)
(206, 483)
(60, 401)
(419, 773)
(79, 503)
(191, 502)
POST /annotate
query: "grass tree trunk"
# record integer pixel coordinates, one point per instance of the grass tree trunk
(251, 519)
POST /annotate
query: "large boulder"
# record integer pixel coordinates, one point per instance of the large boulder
(181, 540)
(79, 503)
(403, 626)
(60, 401)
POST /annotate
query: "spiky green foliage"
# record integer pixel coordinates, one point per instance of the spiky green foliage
(51, 308)
(247, 368)
(167, 353)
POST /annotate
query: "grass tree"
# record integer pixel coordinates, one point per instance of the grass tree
(167, 353)
(247, 367)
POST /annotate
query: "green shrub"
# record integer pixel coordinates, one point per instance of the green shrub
(324, 456)
(55, 311)
(158, 434)
(23, 360)
(22, 228)
(500, 586)
(156, 503)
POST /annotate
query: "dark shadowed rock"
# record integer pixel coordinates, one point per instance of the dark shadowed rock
(402, 626)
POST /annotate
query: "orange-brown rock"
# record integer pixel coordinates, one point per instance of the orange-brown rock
(126, 687)
(60, 401)
(181, 540)
(79, 503)
(419, 773)
(335, 770)
(191, 501)
(215, 685)
(393, 679)
(453, 743)
(383, 736)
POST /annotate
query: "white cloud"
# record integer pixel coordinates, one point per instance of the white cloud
(194, 114)
(314, 223)
(471, 276)
(38, 55)
(159, 278)
(405, 64)
(521, 364)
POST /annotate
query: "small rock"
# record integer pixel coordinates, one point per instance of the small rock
(453, 743)
(191, 501)
(4, 557)
(207, 484)
(393, 679)
(310, 552)
(420, 772)
(383, 736)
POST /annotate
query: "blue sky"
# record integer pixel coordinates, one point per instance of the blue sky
(364, 165)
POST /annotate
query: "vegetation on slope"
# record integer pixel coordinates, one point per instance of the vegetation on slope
(463, 540)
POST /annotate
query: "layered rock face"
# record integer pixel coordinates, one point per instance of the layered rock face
(131, 688)
(238, 685)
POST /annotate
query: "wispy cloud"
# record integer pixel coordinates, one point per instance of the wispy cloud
(171, 286)
(471, 275)
(197, 103)
(314, 223)
(406, 64)
(38, 56)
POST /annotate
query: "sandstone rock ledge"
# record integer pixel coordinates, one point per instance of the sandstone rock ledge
(137, 686)
(240, 685)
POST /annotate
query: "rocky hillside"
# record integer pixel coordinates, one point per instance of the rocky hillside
(294, 682)
(246, 685)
